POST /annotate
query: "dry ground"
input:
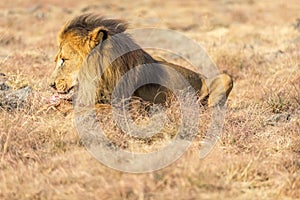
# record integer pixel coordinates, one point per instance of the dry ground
(258, 156)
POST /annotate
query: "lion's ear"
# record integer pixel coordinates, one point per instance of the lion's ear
(97, 35)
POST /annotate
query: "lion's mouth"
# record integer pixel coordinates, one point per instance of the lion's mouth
(67, 95)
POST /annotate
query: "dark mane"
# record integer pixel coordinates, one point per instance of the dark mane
(87, 22)
(114, 58)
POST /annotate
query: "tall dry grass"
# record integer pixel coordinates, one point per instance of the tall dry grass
(258, 155)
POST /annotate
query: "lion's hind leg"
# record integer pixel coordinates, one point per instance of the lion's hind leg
(219, 89)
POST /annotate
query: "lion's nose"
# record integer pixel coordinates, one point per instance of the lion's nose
(53, 85)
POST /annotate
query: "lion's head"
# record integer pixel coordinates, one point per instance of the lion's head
(76, 40)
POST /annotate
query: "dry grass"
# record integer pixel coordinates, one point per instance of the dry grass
(258, 155)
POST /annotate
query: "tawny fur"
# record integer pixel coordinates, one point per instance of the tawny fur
(96, 52)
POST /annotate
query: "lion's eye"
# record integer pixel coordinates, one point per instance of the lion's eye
(61, 62)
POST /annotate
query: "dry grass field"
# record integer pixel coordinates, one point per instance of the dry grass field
(258, 155)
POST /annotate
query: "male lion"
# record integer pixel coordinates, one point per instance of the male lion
(95, 52)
